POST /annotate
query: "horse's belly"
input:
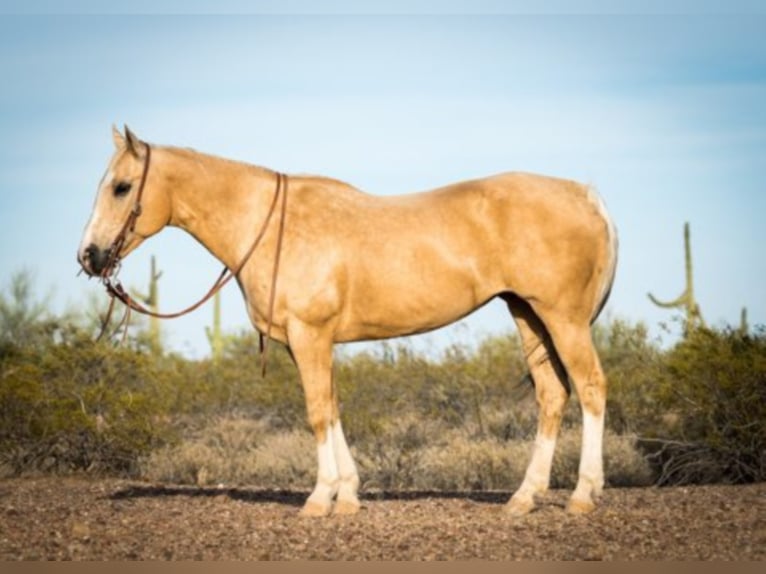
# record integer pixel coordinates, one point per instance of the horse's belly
(414, 295)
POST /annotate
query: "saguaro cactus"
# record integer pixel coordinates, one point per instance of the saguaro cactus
(151, 300)
(214, 335)
(744, 327)
(686, 300)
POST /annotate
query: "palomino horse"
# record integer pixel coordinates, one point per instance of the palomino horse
(360, 267)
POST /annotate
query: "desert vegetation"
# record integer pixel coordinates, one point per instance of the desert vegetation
(459, 420)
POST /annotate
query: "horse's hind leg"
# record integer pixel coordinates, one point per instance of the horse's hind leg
(574, 345)
(552, 392)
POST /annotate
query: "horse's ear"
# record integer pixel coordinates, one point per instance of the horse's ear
(119, 139)
(135, 145)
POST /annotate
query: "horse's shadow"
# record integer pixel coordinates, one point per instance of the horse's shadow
(252, 495)
(294, 497)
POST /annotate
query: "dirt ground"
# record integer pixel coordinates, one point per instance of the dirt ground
(79, 519)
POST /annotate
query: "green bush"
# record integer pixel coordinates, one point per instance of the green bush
(633, 366)
(234, 386)
(712, 401)
(78, 406)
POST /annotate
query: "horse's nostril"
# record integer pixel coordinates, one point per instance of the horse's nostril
(93, 259)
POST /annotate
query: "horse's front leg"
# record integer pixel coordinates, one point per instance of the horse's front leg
(337, 474)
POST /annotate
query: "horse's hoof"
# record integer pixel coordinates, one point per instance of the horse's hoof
(346, 506)
(314, 509)
(519, 506)
(577, 506)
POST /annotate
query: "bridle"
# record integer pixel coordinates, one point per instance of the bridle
(114, 288)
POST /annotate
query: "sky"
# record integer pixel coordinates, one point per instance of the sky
(659, 105)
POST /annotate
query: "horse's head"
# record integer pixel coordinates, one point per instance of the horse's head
(130, 206)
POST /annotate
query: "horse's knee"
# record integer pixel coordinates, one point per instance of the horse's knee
(319, 410)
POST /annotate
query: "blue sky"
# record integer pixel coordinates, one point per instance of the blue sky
(659, 105)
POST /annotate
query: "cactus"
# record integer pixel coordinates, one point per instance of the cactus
(214, 335)
(151, 300)
(744, 328)
(686, 300)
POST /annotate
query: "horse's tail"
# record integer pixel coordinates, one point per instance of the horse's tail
(612, 241)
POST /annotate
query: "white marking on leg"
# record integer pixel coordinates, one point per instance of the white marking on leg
(538, 473)
(537, 477)
(349, 477)
(591, 479)
(327, 474)
(539, 470)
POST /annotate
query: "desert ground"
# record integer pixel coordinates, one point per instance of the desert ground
(69, 518)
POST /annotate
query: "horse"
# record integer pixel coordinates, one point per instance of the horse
(340, 265)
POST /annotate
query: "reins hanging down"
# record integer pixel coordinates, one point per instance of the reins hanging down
(116, 291)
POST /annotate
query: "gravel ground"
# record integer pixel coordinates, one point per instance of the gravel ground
(106, 519)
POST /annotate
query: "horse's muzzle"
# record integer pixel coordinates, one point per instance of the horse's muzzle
(93, 259)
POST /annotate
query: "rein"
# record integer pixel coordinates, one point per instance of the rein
(114, 288)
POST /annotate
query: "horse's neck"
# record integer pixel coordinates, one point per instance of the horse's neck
(221, 203)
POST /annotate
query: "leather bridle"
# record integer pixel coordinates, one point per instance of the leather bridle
(114, 288)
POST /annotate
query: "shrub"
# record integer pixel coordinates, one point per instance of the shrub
(236, 452)
(624, 462)
(713, 399)
(463, 463)
(633, 366)
(389, 460)
(79, 406)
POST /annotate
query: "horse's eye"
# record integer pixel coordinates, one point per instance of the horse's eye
(121, 188)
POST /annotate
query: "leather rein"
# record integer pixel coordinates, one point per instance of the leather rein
(114, 288)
